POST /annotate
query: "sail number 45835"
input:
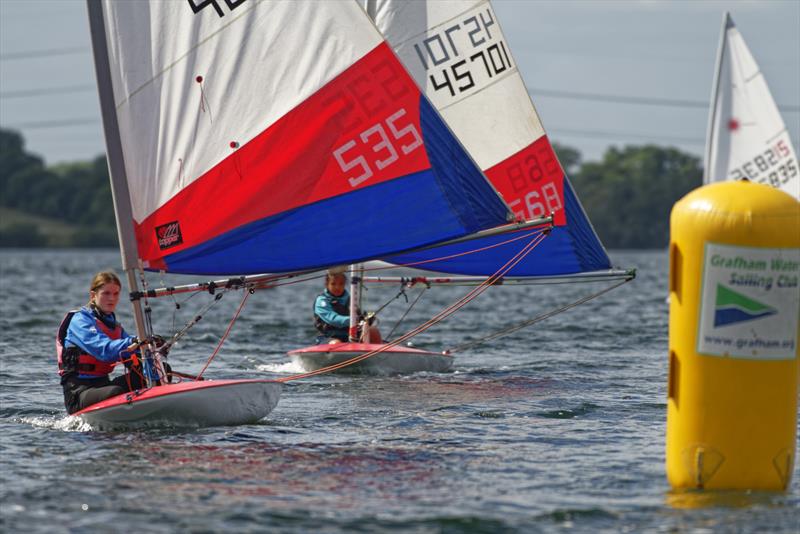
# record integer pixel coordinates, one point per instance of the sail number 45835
(384, 149)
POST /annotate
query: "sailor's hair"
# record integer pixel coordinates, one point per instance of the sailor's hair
(102, 278)
(331, 274)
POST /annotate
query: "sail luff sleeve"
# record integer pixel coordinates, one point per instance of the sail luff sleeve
(711, 142)
(116, 162)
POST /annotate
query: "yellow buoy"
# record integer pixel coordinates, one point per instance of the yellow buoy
(733, 338)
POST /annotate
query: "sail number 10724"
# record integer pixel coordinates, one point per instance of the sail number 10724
(358, 164)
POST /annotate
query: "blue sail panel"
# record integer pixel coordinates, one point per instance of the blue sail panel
(569, 249)
(403, 213)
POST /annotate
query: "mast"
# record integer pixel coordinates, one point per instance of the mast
(116, 163)
(355, 295)
(727, 22)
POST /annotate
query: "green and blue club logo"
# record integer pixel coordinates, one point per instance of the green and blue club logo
(732, 307)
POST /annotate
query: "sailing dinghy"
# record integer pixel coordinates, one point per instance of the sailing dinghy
(747, 137)
(256, 137)
(192, 403)
(383, 360)
(459, 57)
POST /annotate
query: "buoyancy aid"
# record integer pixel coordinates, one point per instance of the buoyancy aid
(73, 359)
(337, 306)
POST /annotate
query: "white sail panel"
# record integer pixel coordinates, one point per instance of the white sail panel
(457, 53)
(194, 80)
(747, 136)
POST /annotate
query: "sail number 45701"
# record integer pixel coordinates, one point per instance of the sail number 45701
(383, 148)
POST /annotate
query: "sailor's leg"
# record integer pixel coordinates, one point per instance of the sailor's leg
(80, 394)
(130, 381)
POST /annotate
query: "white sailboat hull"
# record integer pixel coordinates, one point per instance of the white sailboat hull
(194, 404)
(394, 361)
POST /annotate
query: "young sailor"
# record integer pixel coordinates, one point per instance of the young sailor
(332, 313)
(90, 342)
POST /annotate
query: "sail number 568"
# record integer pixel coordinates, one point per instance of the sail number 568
(384, 148)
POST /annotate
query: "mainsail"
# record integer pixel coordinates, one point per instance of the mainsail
(276, 136)
(456, 52)
(746, 134)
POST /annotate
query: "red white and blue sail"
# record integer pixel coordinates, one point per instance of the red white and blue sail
(747, 137)
(262, 136)
(457, 53)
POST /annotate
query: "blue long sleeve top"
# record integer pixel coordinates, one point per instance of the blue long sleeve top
(324, 309)
(84, 334)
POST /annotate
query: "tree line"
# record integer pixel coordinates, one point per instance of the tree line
(627, 195)
(76, 196)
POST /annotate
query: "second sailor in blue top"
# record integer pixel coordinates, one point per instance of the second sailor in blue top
(332, 313)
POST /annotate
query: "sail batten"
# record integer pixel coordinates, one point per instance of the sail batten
(279, 136)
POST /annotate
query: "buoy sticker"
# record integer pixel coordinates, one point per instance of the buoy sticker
(732, 307)
(750, 302)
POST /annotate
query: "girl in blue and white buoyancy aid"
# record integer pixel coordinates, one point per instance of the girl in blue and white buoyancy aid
(89, 343)
(332, 313)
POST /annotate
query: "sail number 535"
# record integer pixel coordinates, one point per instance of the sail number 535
(384, 148)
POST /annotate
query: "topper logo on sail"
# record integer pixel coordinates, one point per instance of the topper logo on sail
(732, 307)
(199, 5)
(169, 235)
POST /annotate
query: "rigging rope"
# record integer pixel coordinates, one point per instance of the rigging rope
(536, 235)
(538, 318)
(537, 231)
(399, 321)
(182, 332)
(247, 293)
(400, 293)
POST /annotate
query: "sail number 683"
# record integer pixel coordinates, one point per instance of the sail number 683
(384, 149)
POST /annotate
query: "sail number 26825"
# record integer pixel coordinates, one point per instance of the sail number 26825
(384, 147)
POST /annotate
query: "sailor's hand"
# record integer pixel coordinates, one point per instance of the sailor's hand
(135, 343)
(157, 342)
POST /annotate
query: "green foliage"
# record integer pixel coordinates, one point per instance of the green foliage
(569, 157)
(629, 194)
(95, 237)
(21, 235)
(77, 194)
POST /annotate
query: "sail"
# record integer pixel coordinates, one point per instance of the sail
(456, 52)
(746, 134)
(277, 136)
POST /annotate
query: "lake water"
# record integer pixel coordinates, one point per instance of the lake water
(558, 427)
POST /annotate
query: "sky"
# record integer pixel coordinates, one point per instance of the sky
(601, 73)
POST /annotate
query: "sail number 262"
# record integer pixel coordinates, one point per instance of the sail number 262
(384, 147)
